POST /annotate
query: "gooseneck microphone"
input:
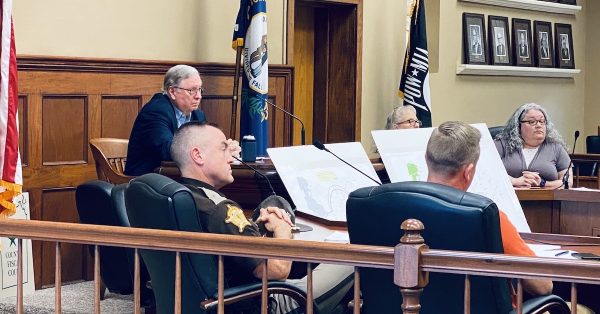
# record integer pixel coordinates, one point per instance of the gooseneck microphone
(566, 176)
(302, 132)
(258, 173)
(320, 146)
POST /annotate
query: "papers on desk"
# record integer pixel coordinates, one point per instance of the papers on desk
(546, 250)
(338, 237)
(585, 189)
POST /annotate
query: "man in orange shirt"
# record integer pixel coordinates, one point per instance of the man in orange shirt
(451, 156)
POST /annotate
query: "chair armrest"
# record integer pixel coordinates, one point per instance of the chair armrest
(252, 290)
(547, 303)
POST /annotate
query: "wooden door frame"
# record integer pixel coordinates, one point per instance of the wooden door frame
(359, 31)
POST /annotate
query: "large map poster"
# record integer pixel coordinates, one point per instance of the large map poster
(319, 183)
(403, 154)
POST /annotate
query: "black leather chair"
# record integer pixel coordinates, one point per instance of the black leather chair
(454, 220)
(158, 202)
(100, 203)
(495, 130)
(592, 145)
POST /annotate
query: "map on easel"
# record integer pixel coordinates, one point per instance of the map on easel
(317, 182)
(403, 154)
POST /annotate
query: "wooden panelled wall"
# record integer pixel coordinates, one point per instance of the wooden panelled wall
(64, 102)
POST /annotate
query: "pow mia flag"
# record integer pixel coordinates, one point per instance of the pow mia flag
(414, 80)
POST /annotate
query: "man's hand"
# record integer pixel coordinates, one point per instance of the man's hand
(234, 148)
(277, 221)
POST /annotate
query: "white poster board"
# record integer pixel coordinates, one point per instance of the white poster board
(319, 183)
(8, 255)
(403, 154)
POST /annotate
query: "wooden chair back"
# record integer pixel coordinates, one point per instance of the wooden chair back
(110, 157)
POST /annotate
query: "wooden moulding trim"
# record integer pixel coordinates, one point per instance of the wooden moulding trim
(191, 242)
(76, 64)
(350, 254)
(501, 265)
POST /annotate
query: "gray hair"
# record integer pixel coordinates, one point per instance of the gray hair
(511, 135)
(176, 74)
(396, 115)
(184, 139)
(452, 145)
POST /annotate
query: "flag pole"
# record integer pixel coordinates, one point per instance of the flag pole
(236, 84)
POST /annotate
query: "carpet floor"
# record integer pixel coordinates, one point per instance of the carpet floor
(77, 298)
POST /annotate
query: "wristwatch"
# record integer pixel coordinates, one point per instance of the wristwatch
(542, 183)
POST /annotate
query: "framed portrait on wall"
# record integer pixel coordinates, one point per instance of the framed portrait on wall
(565, 58)
(499, 40)
(543, 47)
(521, 35)
(474, 43)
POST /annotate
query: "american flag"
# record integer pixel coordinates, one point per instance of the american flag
(11, 179)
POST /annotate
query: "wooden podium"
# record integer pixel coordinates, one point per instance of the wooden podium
(547, 211)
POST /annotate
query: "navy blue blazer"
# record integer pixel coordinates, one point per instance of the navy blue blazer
(152, 134)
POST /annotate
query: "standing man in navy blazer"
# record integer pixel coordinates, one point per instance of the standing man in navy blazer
(152, 133)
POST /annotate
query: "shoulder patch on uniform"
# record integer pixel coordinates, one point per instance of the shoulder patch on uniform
(236, 217)
(213, 196)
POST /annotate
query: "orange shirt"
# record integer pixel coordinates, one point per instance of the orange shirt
(512, 242)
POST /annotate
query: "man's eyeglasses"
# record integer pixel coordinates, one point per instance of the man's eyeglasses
(191, 92)
(534, 122)
(412, 122)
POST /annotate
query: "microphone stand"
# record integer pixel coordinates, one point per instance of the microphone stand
(302, 132)
(567, 175)
(320, 146)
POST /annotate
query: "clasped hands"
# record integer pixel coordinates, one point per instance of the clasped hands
(276, 221)
(528, 179)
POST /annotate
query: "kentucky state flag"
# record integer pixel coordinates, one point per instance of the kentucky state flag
(414, 81)
(251, 33)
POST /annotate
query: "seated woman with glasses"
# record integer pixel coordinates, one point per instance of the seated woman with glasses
(403, 117)
(533, 152)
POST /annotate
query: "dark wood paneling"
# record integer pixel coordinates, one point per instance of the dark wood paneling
(341, 113)
(66, 101)
(64, 130)
(118, 115)
(59, 205)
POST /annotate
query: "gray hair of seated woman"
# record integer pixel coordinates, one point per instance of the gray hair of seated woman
(511, 135)
(397, 114)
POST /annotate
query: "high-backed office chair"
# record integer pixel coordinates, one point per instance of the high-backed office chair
(100, 203)
(158, 202)
(454, 220)
(495, 130)
(592, 145)
(110, 156)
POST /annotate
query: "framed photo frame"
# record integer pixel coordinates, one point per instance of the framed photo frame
(474, 42)
(499, 40)
(543, 47)
(563, 37)
(521, 44)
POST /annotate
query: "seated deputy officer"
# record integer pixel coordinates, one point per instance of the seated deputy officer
(201, 152)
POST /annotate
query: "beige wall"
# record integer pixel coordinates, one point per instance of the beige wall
(183, 29)
(470, 98)
(592, 64)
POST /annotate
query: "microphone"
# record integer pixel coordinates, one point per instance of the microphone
(275, 200)
(566, 176)
(320, 146)
(302, 132)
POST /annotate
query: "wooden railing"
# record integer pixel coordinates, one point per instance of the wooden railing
(410, 259)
